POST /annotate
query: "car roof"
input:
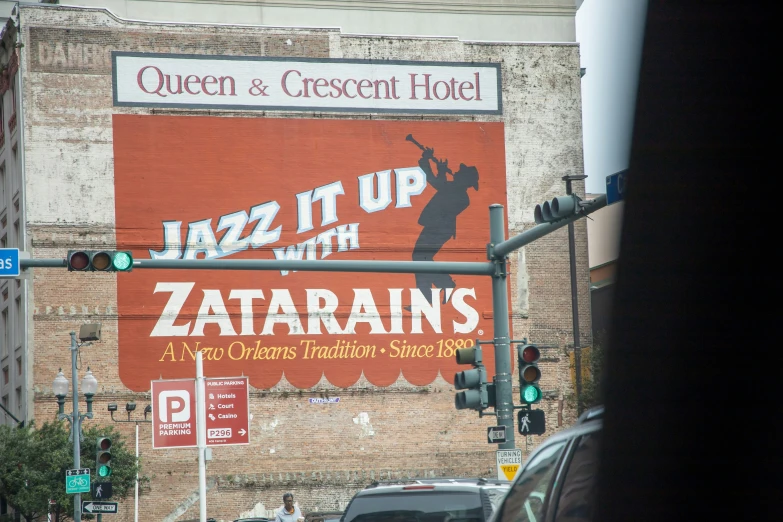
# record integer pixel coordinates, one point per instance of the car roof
(442, 483)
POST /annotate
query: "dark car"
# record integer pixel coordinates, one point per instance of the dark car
(323, 516)
(427, 500)
(558, 481)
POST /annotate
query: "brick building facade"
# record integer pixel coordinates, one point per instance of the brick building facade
(321, 452)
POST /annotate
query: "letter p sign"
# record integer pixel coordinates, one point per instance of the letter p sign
(174, 406)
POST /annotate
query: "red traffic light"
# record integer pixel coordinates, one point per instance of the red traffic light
(78, 260)
(529, 354)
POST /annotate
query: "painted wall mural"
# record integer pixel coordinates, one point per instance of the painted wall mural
(194, 187)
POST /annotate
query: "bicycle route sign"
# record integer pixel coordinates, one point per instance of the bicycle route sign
(77, 481)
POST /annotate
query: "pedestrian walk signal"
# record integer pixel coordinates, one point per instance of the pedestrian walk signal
(531, 422)
(100, 261)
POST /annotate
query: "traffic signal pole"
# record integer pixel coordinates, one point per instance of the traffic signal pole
(498, 250)
(504, 402)
(575, 301)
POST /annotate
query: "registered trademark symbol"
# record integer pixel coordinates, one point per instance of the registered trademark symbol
(481, 332)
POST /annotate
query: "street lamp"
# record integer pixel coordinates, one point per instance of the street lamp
(88, 332)
(130, 407)
(60, 388)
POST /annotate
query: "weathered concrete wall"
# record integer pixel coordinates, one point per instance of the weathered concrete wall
(323, 453)
(504, 20)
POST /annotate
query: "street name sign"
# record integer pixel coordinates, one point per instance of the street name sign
(509, 462)
(92, 506)
(174, 413)
(9, 262)
(77, 481)
(531, 422)
(615, 187)
(227, 415)
(496, 434)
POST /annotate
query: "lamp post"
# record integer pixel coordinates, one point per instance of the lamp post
(129, 407)
(60, 389)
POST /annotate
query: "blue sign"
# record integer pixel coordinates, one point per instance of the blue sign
(9, 262)
(615, 187)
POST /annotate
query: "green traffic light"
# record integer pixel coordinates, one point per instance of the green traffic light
(104, 471)
(122, 261)
(531, 394)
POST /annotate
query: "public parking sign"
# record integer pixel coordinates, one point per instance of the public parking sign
(227, 415)
(174, 413)
(9, 262)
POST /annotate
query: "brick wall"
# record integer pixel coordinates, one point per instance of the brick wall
(323, 453)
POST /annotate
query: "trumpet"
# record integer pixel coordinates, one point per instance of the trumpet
(410, 138)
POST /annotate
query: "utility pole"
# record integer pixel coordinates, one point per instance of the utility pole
(76, 427)
(575, 299)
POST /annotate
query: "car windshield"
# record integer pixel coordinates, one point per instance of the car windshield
(434, 506)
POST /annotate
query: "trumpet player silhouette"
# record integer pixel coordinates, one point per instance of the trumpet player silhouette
(439, 216)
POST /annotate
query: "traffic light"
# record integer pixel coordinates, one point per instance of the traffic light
(103, 457)
(477, 391)
(557, 209)
(529, 373)
(100, 261)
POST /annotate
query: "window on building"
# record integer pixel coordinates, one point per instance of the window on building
(6, 376)
(16, 232)
(19, 398)
(12, 118)
(4, 241)
(2, 185)
(19, 318)
(19, 365)
(4, 332)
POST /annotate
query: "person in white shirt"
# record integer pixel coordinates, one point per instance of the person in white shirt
(288, 512)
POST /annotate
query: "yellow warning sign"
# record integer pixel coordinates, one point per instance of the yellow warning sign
(509, 462)
(509, 470)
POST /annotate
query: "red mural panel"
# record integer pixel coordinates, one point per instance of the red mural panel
(190, 187)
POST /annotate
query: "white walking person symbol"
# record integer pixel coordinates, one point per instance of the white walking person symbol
(524, 420)
(99, 491)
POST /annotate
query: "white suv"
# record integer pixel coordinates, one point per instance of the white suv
(427, 500)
